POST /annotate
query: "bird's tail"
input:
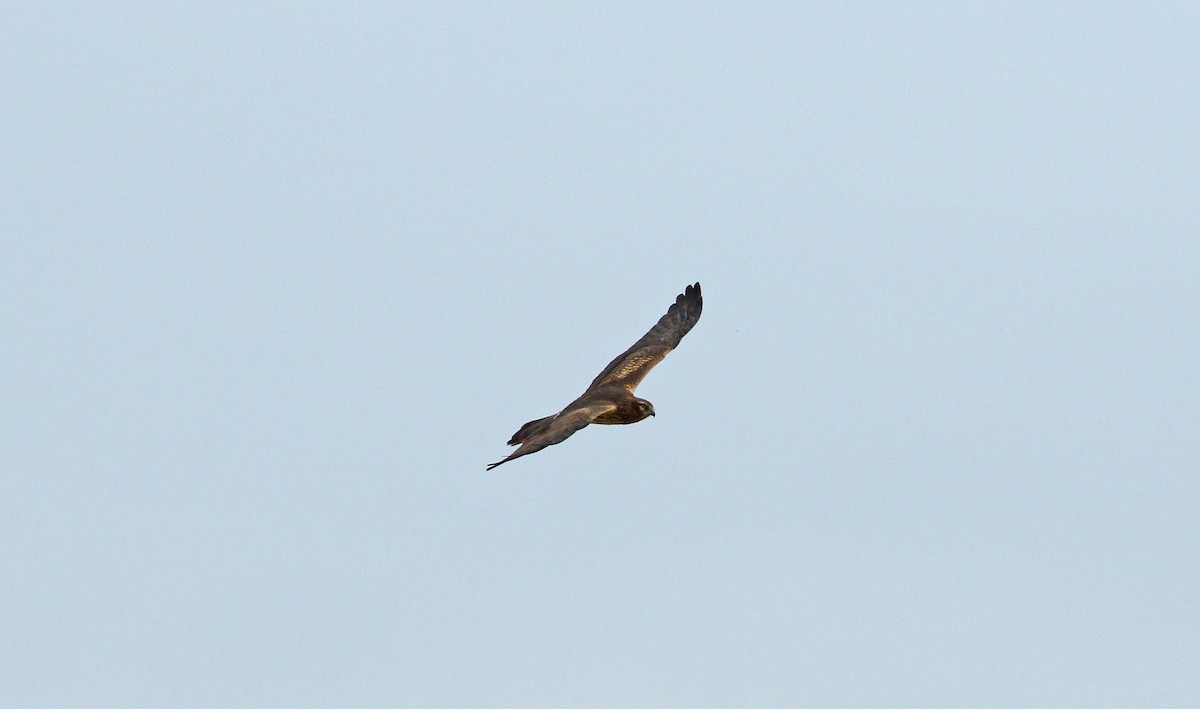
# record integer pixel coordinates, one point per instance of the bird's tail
(532, 428)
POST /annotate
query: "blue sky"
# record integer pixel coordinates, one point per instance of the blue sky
(279, 280)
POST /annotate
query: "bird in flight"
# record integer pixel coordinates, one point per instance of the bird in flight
(609, 398)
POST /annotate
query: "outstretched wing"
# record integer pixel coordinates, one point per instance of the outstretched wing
(558, 429)
(631, 366)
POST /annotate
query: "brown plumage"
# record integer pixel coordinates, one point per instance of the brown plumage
(609, 399)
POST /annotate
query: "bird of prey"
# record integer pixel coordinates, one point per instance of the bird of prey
(609, 398)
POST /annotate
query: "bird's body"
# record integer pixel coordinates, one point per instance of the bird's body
(609, 399)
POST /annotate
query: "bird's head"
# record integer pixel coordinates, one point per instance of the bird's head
(644, 408)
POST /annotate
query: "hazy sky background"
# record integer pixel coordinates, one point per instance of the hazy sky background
(278, 281)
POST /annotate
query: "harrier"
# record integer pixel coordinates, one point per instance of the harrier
(609, 398)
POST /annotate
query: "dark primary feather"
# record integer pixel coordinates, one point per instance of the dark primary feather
(631, 366)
